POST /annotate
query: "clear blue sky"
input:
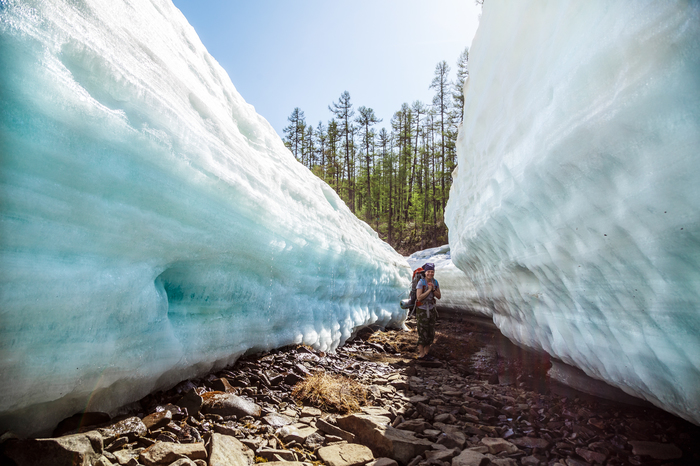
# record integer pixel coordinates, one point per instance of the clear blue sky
(282, 54)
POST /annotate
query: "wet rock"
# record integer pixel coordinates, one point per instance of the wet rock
(228, 404)
(164, 453)
(225, 450)
(659, 451)
(349, 454)
(79, 448)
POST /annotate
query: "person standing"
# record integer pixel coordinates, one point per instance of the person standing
(426, 315)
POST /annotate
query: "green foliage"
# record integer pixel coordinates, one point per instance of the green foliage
(397, 179)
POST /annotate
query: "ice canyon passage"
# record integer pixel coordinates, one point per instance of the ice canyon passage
(154, 227)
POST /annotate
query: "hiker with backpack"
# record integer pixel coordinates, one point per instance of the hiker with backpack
(427, 291)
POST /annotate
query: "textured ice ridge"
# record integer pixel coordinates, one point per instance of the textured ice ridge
(575, 206)
(154, 227)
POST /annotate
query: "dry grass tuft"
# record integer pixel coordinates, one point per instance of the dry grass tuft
(331, 393)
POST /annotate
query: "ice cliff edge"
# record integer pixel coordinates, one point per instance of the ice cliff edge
(575, 209)
(154, 227)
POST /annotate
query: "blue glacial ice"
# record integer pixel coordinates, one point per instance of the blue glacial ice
(575, 209)
(153, 227)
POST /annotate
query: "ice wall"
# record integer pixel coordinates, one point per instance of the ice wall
(152, 226)
(575, 208)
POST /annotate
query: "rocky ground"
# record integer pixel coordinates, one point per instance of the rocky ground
(482, 402)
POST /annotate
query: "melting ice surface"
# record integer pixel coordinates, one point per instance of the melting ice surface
(154, 227)
(575, 210)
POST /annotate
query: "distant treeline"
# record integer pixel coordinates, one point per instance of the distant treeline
(397, 179)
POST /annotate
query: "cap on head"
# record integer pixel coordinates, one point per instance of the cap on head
(429, 266)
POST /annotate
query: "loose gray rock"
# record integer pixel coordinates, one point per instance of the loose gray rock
(157, 420)
(382, 439)
(184, 462)
(228, 404)
(659, 451)
(470, 458)
(164, 453)
(349, 454)
(383, 462)
(297, 433)
(229, 451)
(497, 445)
(330, 429)
(277, 455)
(79, 448)
(277, 420)
(315, 441)
(530, 442)
(131, 427)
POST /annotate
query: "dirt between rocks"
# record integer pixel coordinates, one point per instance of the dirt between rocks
(484, 401)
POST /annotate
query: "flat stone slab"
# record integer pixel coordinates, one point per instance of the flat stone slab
(659, 451)
(227, 404)
(278, 420)
(470, 458)
(69, 449)
(349, 454)
(229, 451)
(530, 442)
(164, 453)
(497, 445)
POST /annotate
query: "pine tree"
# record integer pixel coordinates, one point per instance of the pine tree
(321, 138)
(295, 132)
(344, 113)
(333, 165)
(462, 75)
(388, 168)
(441, 84)
(366, 120)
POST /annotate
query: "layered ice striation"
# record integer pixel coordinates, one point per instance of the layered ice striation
(458, 292)
(153, 226)
(575, 209)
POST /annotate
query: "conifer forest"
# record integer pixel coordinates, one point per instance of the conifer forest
(395, 177)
